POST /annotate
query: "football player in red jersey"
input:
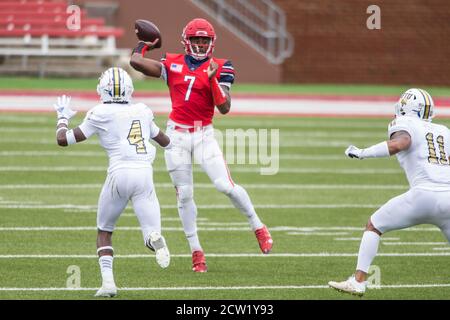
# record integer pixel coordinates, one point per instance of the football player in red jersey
(197, 84)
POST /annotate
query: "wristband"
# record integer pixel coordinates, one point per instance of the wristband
(218, 94)
(61, 128)
(70, 137)
(62, 121)
(141, 48)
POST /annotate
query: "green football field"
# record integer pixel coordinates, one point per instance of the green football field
(315, 206)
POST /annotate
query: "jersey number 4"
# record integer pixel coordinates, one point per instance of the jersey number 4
(135, 137)
(432, 158)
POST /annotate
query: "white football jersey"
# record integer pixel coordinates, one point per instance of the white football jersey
(426, 162)
(124, 131)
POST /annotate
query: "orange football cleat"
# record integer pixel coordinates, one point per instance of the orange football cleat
(264, 239)
(199, 262)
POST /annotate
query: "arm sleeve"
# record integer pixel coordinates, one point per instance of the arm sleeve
(163, 68)
(226, 77)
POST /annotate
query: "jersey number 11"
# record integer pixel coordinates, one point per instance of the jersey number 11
(432, 158)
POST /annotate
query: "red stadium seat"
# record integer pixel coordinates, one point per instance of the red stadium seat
(38, 30)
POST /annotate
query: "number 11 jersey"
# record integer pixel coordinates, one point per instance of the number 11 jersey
(426, 162)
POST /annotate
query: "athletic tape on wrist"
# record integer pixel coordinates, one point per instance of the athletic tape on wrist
(61, 128)
(62, 121)
(70, 137)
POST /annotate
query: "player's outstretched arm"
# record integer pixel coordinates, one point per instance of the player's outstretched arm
(149, 67)
(399, 141)
(64, 136)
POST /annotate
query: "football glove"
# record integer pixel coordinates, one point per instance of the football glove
(354, 152)
(63, 109)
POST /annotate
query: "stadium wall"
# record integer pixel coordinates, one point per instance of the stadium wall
(333, 44)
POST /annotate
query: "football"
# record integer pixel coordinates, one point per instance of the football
(147, 31)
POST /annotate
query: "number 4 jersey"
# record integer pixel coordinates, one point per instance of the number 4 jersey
(124, 131)
(189, 87)
(426, 162)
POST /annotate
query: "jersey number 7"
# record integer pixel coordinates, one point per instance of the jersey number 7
(191, 80)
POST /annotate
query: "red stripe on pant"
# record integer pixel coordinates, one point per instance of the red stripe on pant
(228, 171)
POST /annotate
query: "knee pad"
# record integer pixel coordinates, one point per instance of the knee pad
(223, 185)
(185, 193)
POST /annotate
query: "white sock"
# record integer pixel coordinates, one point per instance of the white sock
(106, 268)
(188, 214)
(194, 243)
(367, 250)
(240, 199)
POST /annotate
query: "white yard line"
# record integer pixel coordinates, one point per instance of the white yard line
(226, 255)
(70, 153)
(234, 169)
(414, 243)
(359, 239)
(222, 288)
(211, 186)
(317, 233)
(211, 207)
(272, 228)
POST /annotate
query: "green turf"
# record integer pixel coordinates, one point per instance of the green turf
(29, 156)
(156, 85)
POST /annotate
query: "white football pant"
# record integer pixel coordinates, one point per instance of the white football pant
(417, 206)
(204, 148)
(127, 184)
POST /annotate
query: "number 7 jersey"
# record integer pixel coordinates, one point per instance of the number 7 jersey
(124, 131)
(426, 162)
(189, 87)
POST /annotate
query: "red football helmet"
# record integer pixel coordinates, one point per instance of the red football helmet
(198, 28)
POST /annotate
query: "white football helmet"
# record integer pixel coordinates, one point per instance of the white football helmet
(417, 103)
(115, 86)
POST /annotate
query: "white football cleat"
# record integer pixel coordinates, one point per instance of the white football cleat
(158, 244)
(108, 290)
(349, 286)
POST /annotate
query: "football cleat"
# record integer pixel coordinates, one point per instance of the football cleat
(157, 244)
(199, 262)
(350, 286)
(264, 239)
(108, 290)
